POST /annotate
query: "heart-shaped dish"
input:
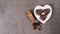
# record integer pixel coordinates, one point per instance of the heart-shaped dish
(43, 7)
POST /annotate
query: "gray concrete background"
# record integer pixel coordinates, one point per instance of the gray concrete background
(13, 18)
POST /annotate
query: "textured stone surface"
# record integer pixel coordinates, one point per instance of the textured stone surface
(13, 18)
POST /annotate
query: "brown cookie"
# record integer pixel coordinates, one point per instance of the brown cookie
(40, 11)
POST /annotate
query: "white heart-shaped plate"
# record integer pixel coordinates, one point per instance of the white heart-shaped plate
(43, 7)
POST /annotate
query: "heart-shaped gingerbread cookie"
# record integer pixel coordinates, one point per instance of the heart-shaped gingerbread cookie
(43, 13)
